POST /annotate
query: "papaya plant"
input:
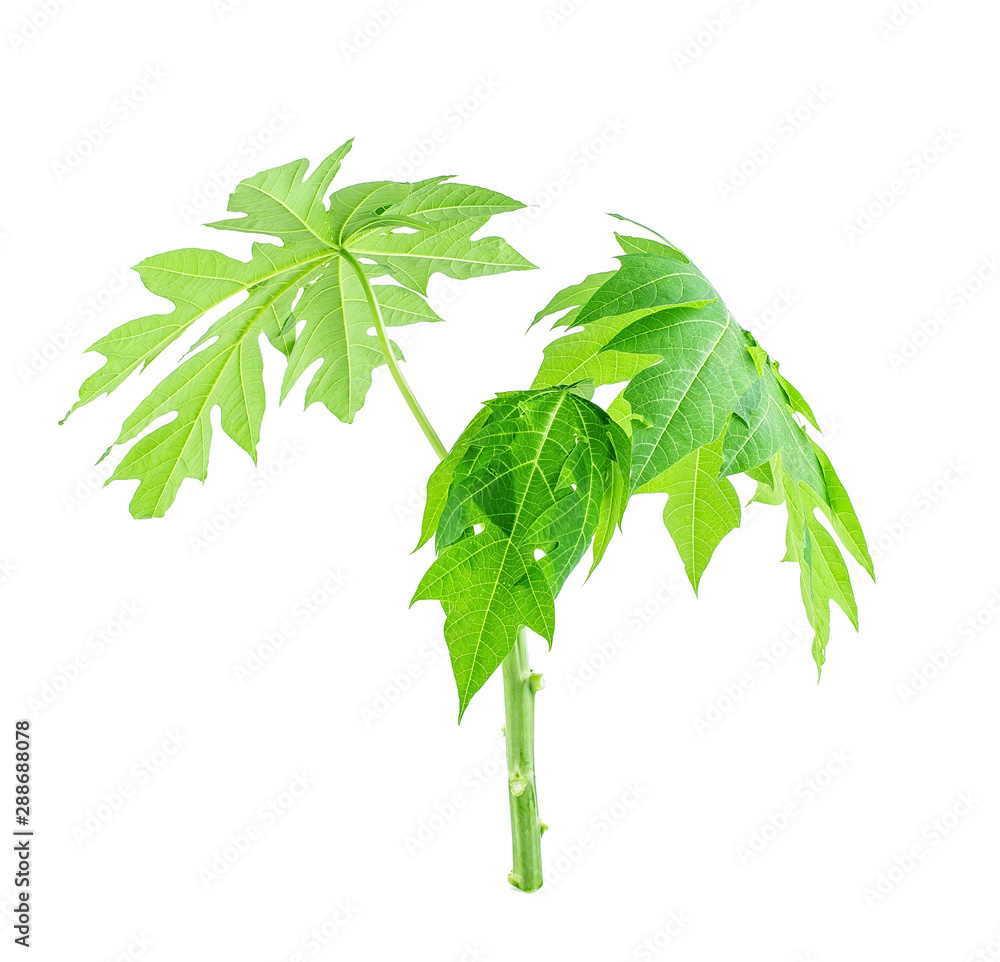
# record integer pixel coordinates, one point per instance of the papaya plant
(541, 475)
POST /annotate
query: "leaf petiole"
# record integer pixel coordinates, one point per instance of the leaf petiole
(519, 682)
(390, 357)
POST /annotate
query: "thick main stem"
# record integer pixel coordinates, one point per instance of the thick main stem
(519, 683)
(519, 687)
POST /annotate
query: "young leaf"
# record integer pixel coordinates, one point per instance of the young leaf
(331, 248)
(524, 489)
(704, 401)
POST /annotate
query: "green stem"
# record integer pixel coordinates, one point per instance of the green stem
(519, 684)
(519, 687)
(390, 357)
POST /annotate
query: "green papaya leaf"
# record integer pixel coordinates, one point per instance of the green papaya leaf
(703, 401)
(308, 296)
(514, 508)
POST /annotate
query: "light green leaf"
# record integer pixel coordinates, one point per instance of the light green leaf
(571, 299)
(795, 400)
(438, 200)
(701, 508)
(582, 354)
(195, 281)
(586, 353)
(337, 320)
(307, 273)
(823, 575)
(445, 247)
(647, 282)
(361, 206)
(840, 512)
(282, 202)
(225, 372)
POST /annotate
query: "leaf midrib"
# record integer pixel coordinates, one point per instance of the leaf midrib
(509, 543)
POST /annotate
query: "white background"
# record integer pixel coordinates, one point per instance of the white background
(581, 112)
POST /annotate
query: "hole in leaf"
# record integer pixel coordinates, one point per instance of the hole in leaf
(539, 554)
(478, 528)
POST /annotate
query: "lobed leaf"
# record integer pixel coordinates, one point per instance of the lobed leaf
(703, 401)
(701, 509)
(514, 508)
(303, 295)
